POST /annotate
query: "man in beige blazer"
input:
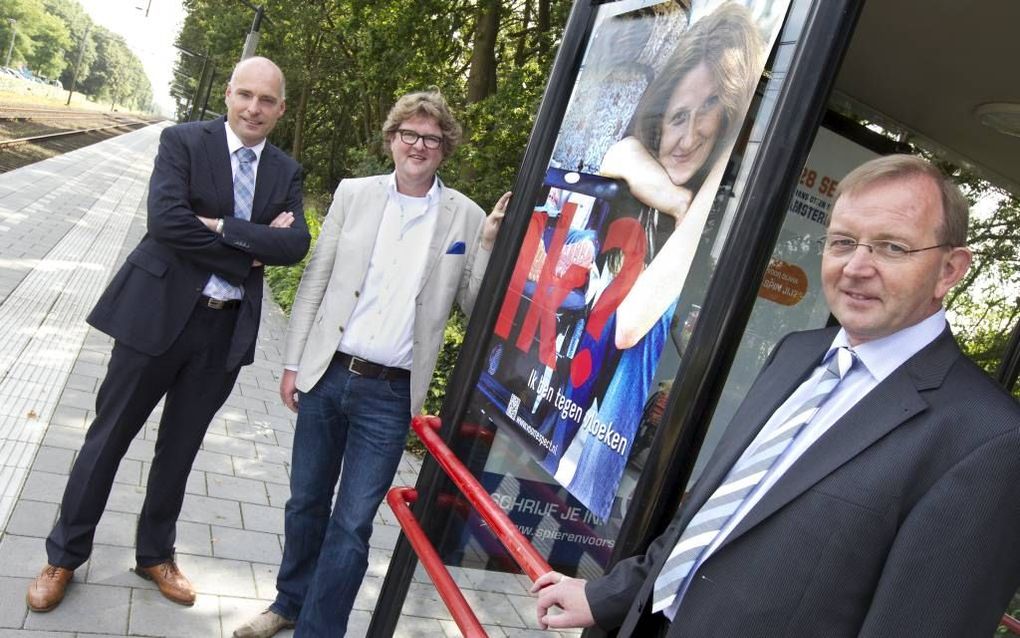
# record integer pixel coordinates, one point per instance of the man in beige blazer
(396, 251)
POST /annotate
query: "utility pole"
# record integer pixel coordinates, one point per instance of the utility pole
(14, 35)
(252, 41)
(77, 63)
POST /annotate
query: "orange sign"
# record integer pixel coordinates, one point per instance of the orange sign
(784, 283)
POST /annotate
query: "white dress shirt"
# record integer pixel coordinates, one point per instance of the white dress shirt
(381, 329)
(876, 360)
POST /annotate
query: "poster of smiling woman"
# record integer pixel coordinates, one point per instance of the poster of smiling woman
(661, 95)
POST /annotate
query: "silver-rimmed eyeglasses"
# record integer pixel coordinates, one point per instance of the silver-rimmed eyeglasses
(883, 250)
(431, 142)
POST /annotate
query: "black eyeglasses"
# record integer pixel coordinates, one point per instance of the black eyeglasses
(882, 250)
(431, 142)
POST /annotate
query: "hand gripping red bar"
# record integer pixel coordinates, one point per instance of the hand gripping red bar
(519, 548)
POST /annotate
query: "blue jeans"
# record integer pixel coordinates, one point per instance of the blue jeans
(362, 423)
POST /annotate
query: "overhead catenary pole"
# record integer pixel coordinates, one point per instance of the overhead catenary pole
(252, 41)
(10, 47)
(77, 62)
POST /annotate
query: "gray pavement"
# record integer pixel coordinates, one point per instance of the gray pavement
(65, 225)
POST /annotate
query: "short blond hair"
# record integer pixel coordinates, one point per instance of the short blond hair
(955, 207)
(429, 104)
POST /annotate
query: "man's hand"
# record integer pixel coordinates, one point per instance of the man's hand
(283, 220)
(210, 222)
(288, 390)
(492, 222)
(555, 589)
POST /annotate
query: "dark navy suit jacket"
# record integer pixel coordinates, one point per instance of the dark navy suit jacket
(902, 520)
(150, 299)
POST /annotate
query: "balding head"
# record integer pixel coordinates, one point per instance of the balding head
(254, 99)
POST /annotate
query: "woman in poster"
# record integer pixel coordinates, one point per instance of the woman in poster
(672, 161)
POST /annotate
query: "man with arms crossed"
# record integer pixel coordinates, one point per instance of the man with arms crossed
(367, 324)
(869, 484)
(184, 313)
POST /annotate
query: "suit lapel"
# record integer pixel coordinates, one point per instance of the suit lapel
(437, 246)
(892, 402)
(267, 173)
(218, 159)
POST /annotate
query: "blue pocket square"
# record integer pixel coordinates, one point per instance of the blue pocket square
(456, 248)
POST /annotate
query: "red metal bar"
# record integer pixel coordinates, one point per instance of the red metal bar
(398, 499)
(1011, 624)
(522, 551)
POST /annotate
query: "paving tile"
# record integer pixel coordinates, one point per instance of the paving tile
(25, 633)
(256, 547)
(129, 471)
(44, 486)
(261, 469)
(219, 576)
(214, 511)
(32, 518)
(112, 565)
(154, 615)
(273, 454)
(54, 460)
(208, 461)
(196, 483)
(117, 528)
(12, 602)
(194, 538)
(265, 580)
(238, 489)
(260, 518)
(100, 608)
(67, 416)
(228, 445)
(64, 437)
(414, 627)
(278, 494)
(125, 498)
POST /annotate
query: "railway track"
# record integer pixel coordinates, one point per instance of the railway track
(29, 134)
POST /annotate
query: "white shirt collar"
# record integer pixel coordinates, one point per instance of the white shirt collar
(882, 356)
(234, 142)
(432, 194)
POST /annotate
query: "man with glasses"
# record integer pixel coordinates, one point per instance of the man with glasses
(868, 484)
(395, 252)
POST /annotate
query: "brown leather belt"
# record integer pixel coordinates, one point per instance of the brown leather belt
(218, 304)
(361, 367)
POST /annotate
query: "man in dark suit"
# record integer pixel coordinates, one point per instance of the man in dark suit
(184, 312)
(869, 484)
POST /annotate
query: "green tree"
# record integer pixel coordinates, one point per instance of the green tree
(42, 38)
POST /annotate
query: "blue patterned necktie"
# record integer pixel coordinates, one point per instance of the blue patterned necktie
(745, 475)
(244, 192)
(244, 183)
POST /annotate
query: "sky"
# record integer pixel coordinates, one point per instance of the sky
(150, 38)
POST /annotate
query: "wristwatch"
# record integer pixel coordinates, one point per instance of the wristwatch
(219, 227)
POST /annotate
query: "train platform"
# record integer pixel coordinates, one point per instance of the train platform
(66, 224)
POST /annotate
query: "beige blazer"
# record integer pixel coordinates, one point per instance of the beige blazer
(330, 285)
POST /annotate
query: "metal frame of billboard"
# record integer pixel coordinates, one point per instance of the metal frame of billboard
(797, 110)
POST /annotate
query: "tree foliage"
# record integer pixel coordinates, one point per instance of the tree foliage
(50, 35)
(346, 61)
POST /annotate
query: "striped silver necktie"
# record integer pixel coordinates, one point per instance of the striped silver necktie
(749, 470)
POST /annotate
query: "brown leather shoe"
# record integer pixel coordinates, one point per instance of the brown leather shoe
(171, 582)
(48, 589)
